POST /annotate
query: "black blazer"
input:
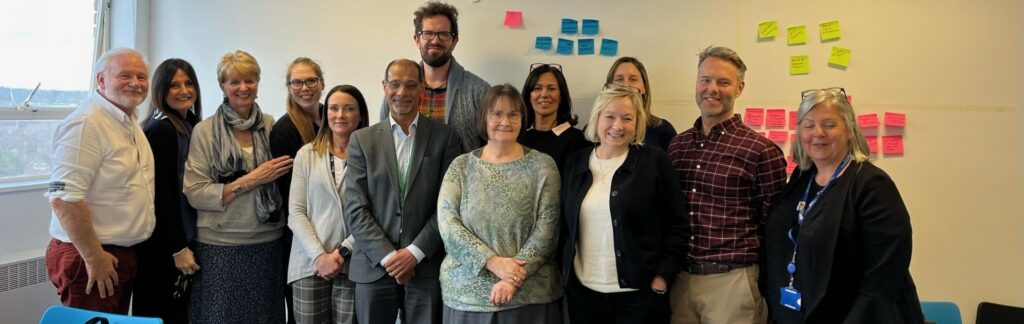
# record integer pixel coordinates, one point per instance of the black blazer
(854, 252)
(650, 221)
(175, 218)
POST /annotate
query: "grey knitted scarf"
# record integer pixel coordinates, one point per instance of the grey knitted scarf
(229, 159)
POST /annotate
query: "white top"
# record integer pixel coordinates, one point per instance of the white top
(101, 156)
(403, 151)
(595, 257)
(315, 211)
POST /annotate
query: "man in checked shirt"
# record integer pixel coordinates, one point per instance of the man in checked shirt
(729, 174)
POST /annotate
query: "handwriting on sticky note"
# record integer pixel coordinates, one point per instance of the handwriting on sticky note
(872, 143)
(768, 29)
(800, 64)
(609, 47)
(754, 116)
(564, 46)
(778, 136)
(775, 118)
(895, 119)
(868, 120)
(586, 46)
(829, 30)
(792, 120)
(513, 19)
(892, 144)
(796, 35)
(591, 26)
(543, 43)
(839, 57)
(569, 26)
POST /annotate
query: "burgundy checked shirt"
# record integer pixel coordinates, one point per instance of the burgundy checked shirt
(729, 178)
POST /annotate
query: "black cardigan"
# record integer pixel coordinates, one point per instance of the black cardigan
(175, 218)
(649, 215)
(286, 140)
(854, 252)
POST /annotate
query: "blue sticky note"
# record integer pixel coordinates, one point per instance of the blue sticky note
(569, 26)
(590, 26)
(609, 47)
(564, 46)
(543, 43)
(586, 46)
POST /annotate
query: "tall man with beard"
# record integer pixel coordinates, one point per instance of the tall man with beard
(451, 94)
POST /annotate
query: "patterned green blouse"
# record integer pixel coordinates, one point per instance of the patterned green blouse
(507, 209)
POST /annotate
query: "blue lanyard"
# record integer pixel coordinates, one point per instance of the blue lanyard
(804, 207)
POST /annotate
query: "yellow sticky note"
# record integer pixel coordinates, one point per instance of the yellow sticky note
(829, 30)
(840, 56)
(768, 29)
(796, 35)
(799, 64)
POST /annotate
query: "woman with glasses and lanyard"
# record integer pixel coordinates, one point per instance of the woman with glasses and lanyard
(628, 71)
(549, 117)
(229, 179)
(317, 268)
(838, 241)
(305, 82)
(625, 218)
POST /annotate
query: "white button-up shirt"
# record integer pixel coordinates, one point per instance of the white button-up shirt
(403, 152)
(101, 157)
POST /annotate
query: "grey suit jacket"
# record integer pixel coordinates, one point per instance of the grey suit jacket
(377, 216)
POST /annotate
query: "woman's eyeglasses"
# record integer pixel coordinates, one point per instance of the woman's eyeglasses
(552, 65)
(837, 90)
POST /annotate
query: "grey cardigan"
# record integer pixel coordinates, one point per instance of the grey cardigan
(315, 212)
(231, 224)
(463, 99)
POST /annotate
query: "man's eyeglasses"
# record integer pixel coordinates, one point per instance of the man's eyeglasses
(552, 65)
(611, 86)
(836, 90)
(409, 85)
(429, 35)
(297, 84)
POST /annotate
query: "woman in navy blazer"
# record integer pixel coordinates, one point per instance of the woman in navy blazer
(848, 223)
(626, 226)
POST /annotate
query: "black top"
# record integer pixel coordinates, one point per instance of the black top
(557, 146)
(175, 218)
(650, 225)
(286, 140)
(660, 136)
(854, 252)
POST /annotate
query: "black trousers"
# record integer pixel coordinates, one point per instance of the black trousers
(588, 306)
(154, 285)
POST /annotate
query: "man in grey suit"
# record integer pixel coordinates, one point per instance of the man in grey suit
(394, 173)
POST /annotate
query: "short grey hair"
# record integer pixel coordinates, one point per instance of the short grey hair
(103, 63)
(724, 53)
(837, 100)
(601, 103)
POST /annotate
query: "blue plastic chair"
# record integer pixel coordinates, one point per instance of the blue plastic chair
(941, 312)
(68, 315)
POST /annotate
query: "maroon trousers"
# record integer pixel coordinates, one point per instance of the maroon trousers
(67, 272)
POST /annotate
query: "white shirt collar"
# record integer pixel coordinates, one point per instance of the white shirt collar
(112, 110)
(412, 126)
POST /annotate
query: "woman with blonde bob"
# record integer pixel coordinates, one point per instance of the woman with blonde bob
(229, 179)
(626, 228)
(838, 241)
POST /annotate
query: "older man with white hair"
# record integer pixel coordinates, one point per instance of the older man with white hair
(101, 189)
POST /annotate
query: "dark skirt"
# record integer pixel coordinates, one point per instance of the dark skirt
(549, 313)
(237, 284)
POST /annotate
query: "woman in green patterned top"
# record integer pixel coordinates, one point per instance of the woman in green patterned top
(498, 213)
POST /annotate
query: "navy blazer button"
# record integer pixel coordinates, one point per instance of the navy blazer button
(615, 222)
(622, 282)
(615, 193)
(618, 253)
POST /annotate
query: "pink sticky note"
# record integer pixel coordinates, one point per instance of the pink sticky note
(790, 164)
(849, 99)
(754, 117)
(792, 120)
(763, 134)
(513, 19)
(868, 120)
(895, 119)
(892, 144)
(872, 143)
(776, 118)
(778, 136)
(792, 139)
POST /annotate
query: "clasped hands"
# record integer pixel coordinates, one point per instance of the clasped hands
(512, 274)
(328, 265)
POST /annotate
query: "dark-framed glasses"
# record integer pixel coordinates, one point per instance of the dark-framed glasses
(297, 84)
(836, 90)
(555, 66)
(612, 86)
(395, 84)
(429, 35)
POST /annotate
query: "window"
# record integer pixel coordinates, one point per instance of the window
(51, 44)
